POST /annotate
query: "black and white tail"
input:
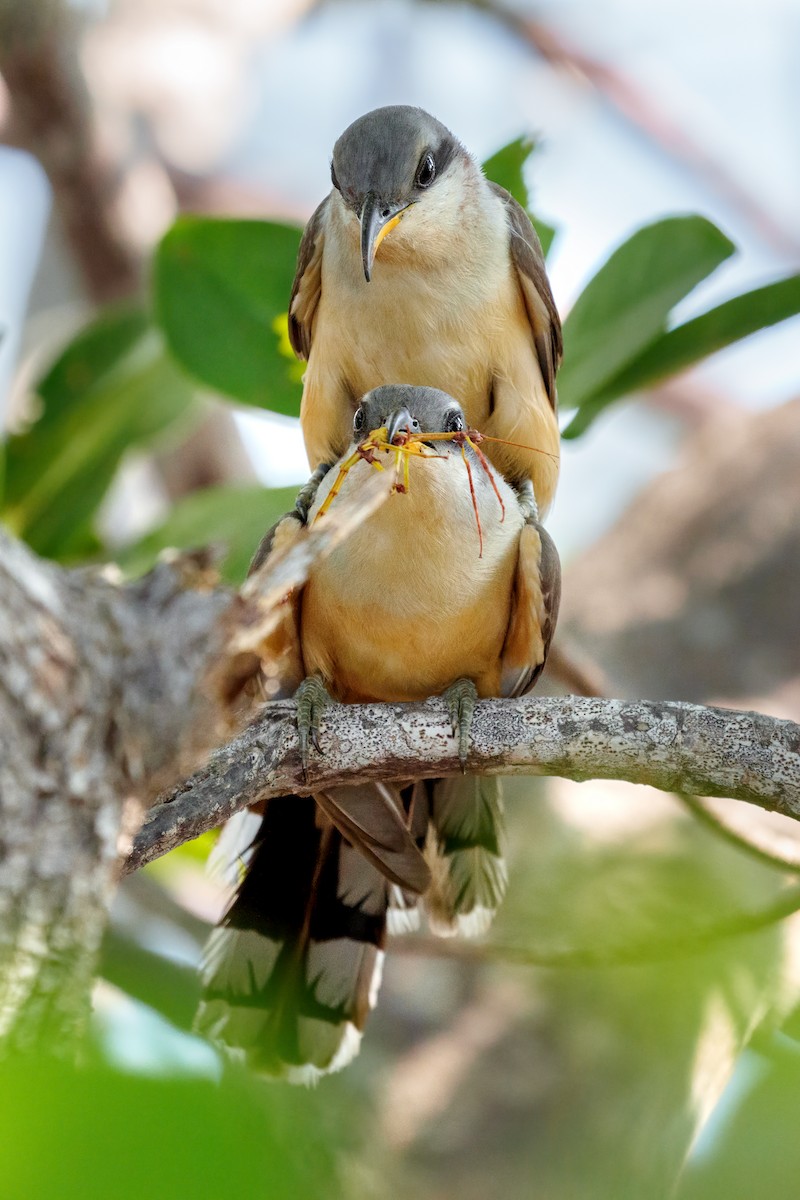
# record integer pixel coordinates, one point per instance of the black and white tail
(294, 968)
(465, 853)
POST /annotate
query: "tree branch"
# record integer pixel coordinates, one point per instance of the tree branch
(672, 746)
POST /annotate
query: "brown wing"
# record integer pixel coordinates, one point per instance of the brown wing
(281, 535)
(534, 611)
(528, 260)
(371, 817)
(307, 286)
(282, 669)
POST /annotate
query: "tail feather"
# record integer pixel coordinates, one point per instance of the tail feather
(404, 904)
(234, 848)
(371, 817)
(465, 852)
(293, 970)
(403, 912)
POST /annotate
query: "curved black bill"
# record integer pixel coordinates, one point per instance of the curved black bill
(377, 219)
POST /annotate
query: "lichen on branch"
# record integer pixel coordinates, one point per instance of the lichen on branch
(672, 746)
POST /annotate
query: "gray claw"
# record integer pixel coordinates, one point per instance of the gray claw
(307, 493)
(311, 698)
(527, 500)
(461, 698)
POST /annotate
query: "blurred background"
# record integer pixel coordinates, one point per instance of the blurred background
(634, 1009)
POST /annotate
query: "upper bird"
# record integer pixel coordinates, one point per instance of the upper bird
(416, 269)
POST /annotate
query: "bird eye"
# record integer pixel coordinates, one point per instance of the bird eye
(454, 421)
(359, 421)
(426, 171)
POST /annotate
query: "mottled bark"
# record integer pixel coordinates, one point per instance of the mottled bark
(99, 706)
(676, 747)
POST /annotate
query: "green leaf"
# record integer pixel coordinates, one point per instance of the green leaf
(195, 852)
(624, 308)
(506, 167)
(221, 292)
(750, 1145)
(88, 357)
(236, 516)
(630, 1042)
(112, 389)
(96, 1133)
(90, 354)
(695, 340)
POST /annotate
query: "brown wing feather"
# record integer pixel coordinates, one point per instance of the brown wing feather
(282, 669)
(534, 611)
(307, 286)
(528, 260)
(371, 817)
(285, 530)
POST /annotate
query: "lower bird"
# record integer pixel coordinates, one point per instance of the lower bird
(446, 589)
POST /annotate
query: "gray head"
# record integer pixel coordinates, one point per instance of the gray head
(403, 408)
(387, 160)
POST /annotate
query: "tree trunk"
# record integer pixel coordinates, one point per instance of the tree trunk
(99, 708)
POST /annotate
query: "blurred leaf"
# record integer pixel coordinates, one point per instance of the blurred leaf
(90, 354)
(190, 854)
(221, 291)
(170, 988)
(624, 307)
(113, 388)
(750, 1147)
(196, 851)
(506, 167)
(88, 357)
(632, 1053)
(695, 340)
(96, 1133)
(236, 516)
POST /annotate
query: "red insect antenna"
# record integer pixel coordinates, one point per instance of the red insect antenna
(476, 436)
(474, 500)
(485, 464)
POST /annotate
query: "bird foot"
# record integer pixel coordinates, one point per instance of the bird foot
(461, 698)
(308, 492)
(527, 500)
(311, 699)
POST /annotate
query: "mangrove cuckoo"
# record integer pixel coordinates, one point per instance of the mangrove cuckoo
(416, 268)
(446, 588)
